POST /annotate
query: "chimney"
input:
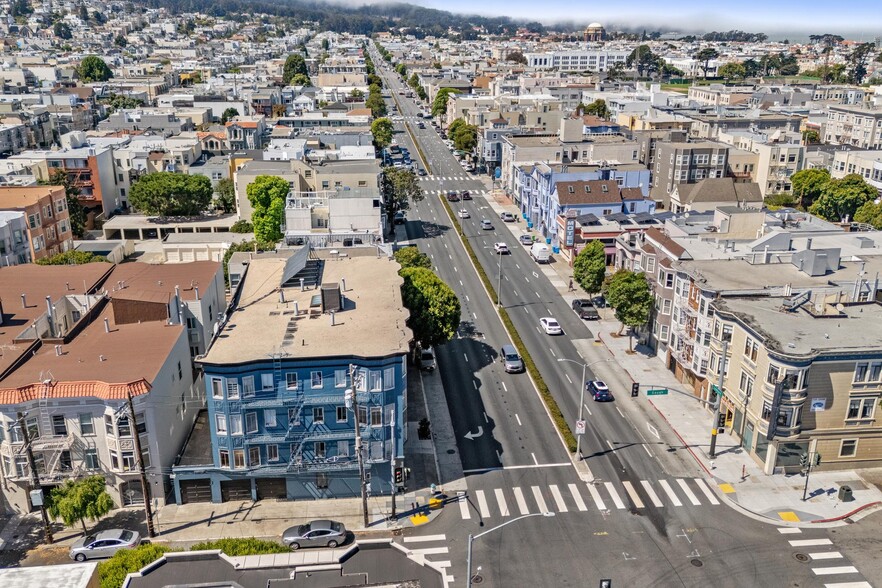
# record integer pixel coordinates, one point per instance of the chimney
(282, 296)
(766, 254)
(24, 301)
(106, 325)
(58, 350)
(296, 308)
(196, 289)
(333, 318)
(343, 282)
(301, 284)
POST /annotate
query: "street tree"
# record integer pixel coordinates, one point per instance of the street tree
(589, 267)
(811, 136)
(77, 500)
(76, 212)
(615, 72)
(455, 126)
(751, 68)
(598, 108)
(356, 94)
(841, 198)
(171, 194)
(870, 213)
(375, 101)
(400, 188)
(93, 69)
(644, 61)
(628, 292)
(71, 257)
(228, 115)
(857, 62)
(413, 81)
(267, 197)
(382, 130)
(808, 183)
(439, 105)
(412, 257)
(61, 30)
(300, 79)
(225, 195)
(704, 56)
(434, 307)
(465, 138)
(516, 57)
(732, 71)
(294, 64)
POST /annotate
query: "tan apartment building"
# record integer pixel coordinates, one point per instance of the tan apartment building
(854, 125)
(47, 219)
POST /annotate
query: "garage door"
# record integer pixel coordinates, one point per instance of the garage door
(187, 255)
(236, 490)
(201, 255)
(195, 491)
(272, 488)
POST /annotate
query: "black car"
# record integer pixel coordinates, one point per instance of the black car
(598, 390)
(585, 309)
(452, 196)
(466, 195)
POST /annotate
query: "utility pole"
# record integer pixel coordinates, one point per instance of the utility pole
(713, 440)
(358, 448)
(148, 508)
(35, 476)
(392, 460)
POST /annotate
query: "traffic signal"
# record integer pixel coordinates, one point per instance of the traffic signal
(399, 476)
(803, 460)
(635, 390)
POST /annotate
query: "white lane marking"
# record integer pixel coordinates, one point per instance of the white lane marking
(552, 352)
(475, 384)
(849, 585)
(518, 419)
(567, 376)
(574, 491)
(595, 495)
(445, 246)
(548, 310)
(588, 410)
(486, 420)
(498, 457)
(467, 298)
(431, 550)
(537, 494)
(519, 498)
(633, 494)
(614, 495)
(648, 452)
(517, 266)
(500, 498)
(621, 414)
(558, 498)
(789, 530)
(702, 485)
(454, 269)
(609, 443)
(475, 316)
(450, 256)
(670, 492)
(651, 493)
(537, 294)
(424, 538)
(504, 387)
(688, 492)
(535, 461)
(460, 283)
(466, 357)
(528, 281)
(826, 555)
(654, 431)
(836, 570)
(482, 504)
(464, 508)
(809, 542)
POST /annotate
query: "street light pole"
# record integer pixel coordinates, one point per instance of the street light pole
(713, 439)
(358, 444)
(585, 367)
(496, 528)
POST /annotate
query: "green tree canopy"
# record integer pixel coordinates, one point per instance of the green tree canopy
(300, 79)
(589, 267)
(732, 71)
(242, 226)
(228, 115)
(808, 183)
(112, 572)
(382, 130)
(236, 546)
(375, 101)
(870, 213)
(71, 257)
(294, 64)
(628, 292)
(77, 500)
(439, 105)
(843, 197)
(75, 210)
(413, 81)
(225, 195)
(412, 257)
(644, 61)
(61, 30)
(598, 108)
(434, 307)
(93, 69)
(811, 136)
(465, 138)
(171, 194)
(704, 56)
(400, 188)
(267, 197)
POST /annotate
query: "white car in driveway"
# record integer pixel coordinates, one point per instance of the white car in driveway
(500, 248)
(550, 326)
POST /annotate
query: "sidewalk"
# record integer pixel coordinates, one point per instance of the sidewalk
(739, 478)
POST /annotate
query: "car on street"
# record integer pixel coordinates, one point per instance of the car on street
(486, 225)
(466, 195)
(585, 309)
(463, 213)
(507, 217)
(511, 360)
(421, 171)
(421, 125)
(320, 533)
(452, 196)
(104, 544)
(399, 218)
(526, 240)
(550, 326)
(501, 248)
(599, 391)
(427, 359)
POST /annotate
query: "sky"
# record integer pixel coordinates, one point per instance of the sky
(854, 19)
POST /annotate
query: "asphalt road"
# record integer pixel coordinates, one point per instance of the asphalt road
(636, 524)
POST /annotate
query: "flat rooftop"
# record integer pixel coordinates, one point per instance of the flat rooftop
(372, 323)
(73, 575)
(799, 333)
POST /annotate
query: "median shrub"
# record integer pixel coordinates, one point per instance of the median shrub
(112, 573)
(244, 546)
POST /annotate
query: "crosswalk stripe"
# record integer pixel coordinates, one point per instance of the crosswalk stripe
(688, 492)
(595, 495)
(651, 493)
(836, 570)
(670, 492)
(826, 555)
(423, 538)
(809, 542)
(464, 507)
(431, 550)
(519, 498)
(574, 490)
(635, 498)
(537, 494)
(558, 498)
(614, 495)
(482, 504)
(503, 507)
(849, 585)
(789, 530)
(705, 489)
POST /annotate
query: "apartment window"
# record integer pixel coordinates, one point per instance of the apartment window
(362, 415)
(316, 379)
(128, 460)
(232, 390)
(376, 381)
(650, 264)
(343, 448)
(321, 481)
(224, 458)
(272, 452)
(861, 408)
(774, 374)
(59, 428)
(746, 384)
(91, 459)
(860, 372)
(248, 387)
(342, 414)
(318, 415)
(848, 448)
(767, 410)
(340, 377)
(663, 333)
(114, 460)
(291, 380)
(254, 456)
(751, 348)
(108, 425)
(376, 416)
(87, 425)
(388, 378)
(269, 417)
(727, 333)
(875, 372)
(217, 388)
(293, 416)
(220, 421)
(266, 381)
(238, 458)
(235, 424)
(250, 422)
(318, 448)
(123, 428)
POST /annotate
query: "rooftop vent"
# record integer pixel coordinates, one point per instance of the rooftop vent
(332, 297)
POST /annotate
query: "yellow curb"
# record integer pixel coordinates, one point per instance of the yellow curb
(727, 488)
(419, 519)
(788, 516)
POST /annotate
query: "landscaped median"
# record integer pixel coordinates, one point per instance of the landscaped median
(550, 403)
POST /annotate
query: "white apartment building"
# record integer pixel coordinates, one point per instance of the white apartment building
(867, 164)
(577, 60)
(855, 126)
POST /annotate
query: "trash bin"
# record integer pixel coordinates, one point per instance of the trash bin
(845, 494)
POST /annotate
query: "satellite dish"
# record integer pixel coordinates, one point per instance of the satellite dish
(686, 215)
(840, 307)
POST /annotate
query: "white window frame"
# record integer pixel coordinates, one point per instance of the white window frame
(341, 378)
(842, 443)
(232, 389)
(269, 417)
(266, 381)
(344, 412)
(252, 452)
(248, 387)
(291, 381)
(318, 415)
(376, 416)
(220, 423)
(388, 378)
(376, 378)
(316, 380)
(251, 422)
(235, 424)
(217, 388)
(272, 452)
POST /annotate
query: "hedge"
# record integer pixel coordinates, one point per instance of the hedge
(550, 403)
(241, 546)
(112, 573)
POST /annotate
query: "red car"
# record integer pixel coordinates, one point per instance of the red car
(452, 196)
(466, 195)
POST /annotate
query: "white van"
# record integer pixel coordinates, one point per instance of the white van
(540, 252)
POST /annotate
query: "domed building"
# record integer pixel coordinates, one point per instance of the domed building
(595, 32)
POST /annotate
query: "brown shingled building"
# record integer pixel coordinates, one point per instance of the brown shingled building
(47, 220)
